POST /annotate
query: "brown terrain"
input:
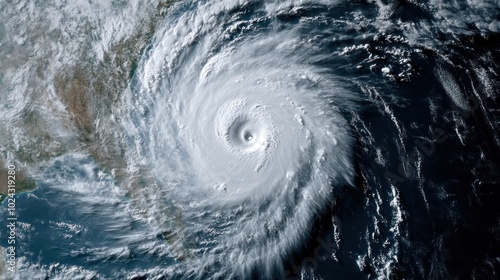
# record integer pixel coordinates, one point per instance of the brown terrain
(89, 92)
(22, 183)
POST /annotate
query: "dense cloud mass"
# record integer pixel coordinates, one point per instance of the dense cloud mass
(227, 139)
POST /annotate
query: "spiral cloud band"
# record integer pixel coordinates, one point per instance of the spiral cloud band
(244, 133)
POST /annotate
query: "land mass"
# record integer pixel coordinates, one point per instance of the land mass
(22, 182)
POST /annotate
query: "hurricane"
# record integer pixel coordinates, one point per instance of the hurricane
(242, 139)
(241, 129)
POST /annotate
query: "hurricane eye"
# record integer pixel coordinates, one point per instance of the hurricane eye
(248, 136)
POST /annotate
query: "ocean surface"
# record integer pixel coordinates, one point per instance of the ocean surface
(252, 139)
